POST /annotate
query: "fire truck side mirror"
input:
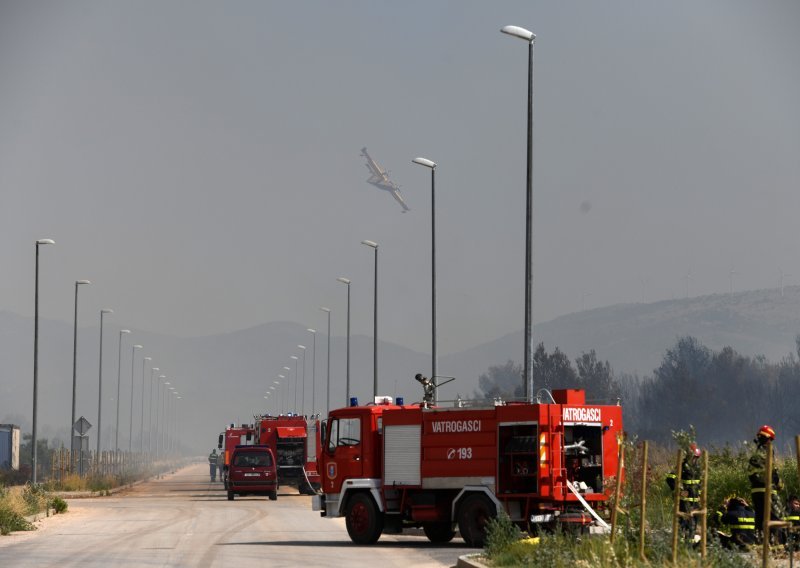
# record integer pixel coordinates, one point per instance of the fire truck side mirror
(219, 442)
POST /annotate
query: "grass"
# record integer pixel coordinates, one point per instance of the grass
(727, 475)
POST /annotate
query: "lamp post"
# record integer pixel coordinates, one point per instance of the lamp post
(328, 380)
(283, 394)
(141, 419)
(130, 425)
(150, 412)
(119, 380)
(303, 390)
(103, 312)
(36, 355)
(434, 360)
(347, 383)
(530, 37)
(313, 332)
(74, 372)
(295, 381)
(159, 423)
(374, 246)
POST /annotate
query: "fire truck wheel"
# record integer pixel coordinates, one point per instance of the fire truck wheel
(473, 515)
(230, 495)
(439, 532)
(273, 495)
(364, 521)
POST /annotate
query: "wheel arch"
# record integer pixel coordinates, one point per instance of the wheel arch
(472, 490)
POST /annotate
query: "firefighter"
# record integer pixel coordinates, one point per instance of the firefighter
(737, 524)
(757, 469)
(212, 464)
(689, 490)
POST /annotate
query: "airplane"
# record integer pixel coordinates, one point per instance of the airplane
(380, 179)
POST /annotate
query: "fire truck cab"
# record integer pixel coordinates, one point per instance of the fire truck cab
(387, 467)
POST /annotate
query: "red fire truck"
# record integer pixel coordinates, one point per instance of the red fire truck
(387, 467)
(295, 442)
(228, 440)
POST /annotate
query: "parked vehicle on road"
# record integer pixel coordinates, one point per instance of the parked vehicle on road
(252, 471)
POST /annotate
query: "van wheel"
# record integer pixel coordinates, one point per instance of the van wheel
(230, 495)
(473, 515)
(364, 521)
(273, 495)
(439, 532)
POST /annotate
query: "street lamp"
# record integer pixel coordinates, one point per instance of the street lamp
(150, 412)
(313, 369)
(36, 355)
(74, 371)
(119, 380)
(130, 425)
(530, 37)
(373, 245)
(295, 381)
(103, 312)
(303, 398)
(328, 380)
(283, 395)
(347, 384)
(141, 419)
(159, 421)
(434, 366)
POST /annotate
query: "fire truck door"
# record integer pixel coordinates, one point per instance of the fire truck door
(345, 450)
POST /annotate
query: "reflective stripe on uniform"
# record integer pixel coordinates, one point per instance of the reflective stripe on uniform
(762, 490)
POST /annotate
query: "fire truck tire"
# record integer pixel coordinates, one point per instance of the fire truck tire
(230, 495)
(273, 495)
(439, 532)
(364, 521)
(473, 515)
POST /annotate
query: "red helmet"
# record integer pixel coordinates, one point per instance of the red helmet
(696, 452)
(767, 432)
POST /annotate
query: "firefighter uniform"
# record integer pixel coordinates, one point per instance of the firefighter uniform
(757, 467)
(689, 490)
(737, 524)
(793, 516)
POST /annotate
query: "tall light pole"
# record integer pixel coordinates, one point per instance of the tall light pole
(346, 281)
(150, 412)
(295, 357)
(141, 419)
(36, 357)
(159, 422)
(119, 380)
(328, 380)
(434, 360)
(313, 369)
(374, 246)
(74, 371)
(303, 397)
(284, 390)
(530, 37)
(130, 425)
(103, 312)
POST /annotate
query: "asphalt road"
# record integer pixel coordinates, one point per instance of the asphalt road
(183, 520)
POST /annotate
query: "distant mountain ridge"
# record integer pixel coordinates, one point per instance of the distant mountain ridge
(223, 378)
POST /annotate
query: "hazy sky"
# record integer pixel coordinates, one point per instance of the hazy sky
(199, 161)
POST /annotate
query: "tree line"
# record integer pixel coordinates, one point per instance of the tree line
(726, 396)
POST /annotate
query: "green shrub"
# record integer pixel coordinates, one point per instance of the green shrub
(58, 505)
(35, 497)
(11, 520)
(501, 532)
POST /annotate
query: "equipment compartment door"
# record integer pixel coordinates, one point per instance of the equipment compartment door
(583, 456)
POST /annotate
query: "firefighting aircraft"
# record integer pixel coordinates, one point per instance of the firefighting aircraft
(380, 179)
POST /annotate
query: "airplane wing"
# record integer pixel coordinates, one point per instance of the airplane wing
(399, 198)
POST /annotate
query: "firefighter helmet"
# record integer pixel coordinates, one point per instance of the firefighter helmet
(696, 452)
(766, 432)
